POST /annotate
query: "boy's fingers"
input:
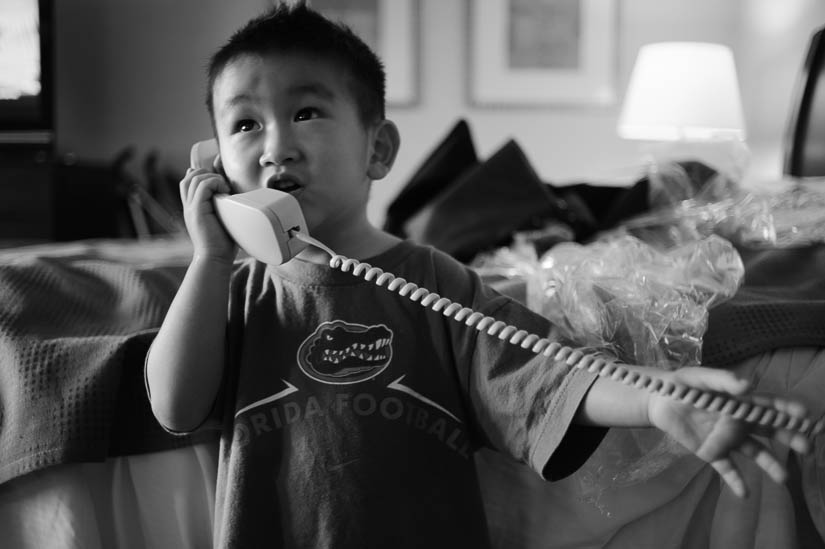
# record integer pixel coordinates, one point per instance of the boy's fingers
(190, 180)
(183, 188)
(794, 440)
(789, 406)
(766, 461)
(207, 188)
(200, 183)
(721, 381)
(731, 475)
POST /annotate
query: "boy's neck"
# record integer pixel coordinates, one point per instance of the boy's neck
(356, 241)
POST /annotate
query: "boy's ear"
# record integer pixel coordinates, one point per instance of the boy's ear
(386, 141)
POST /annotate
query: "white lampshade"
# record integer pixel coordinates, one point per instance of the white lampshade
(686, 91)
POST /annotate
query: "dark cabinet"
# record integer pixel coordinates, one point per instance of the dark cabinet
(26, 195)
(46, 200)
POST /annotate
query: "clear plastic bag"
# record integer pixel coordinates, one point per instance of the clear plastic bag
(798, 214)
(625, 298)
(683, 211)
(745, 220)
(644, 306)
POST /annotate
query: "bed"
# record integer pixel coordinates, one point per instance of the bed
(83, 464)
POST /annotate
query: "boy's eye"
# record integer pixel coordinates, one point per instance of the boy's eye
(245, 125)
(307, 113)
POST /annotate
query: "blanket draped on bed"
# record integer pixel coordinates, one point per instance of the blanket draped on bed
(74, 332)
(780, 304)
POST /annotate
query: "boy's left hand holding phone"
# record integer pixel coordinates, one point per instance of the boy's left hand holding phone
(202, 182)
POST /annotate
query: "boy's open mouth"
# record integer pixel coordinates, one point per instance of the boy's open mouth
(283, 183)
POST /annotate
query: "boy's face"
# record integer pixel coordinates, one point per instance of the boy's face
(289, 122)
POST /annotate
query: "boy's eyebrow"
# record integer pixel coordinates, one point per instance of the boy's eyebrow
(237, 100)
(310, 88)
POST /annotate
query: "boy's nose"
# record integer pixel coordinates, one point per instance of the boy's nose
(278, 150)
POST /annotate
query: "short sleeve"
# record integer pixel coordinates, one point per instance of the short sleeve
(525, 403)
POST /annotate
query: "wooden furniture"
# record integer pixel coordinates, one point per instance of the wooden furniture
(44, 199)
(26, 194)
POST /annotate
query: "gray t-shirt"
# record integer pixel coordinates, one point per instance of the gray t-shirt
(350, 414)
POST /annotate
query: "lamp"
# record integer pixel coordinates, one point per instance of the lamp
(684, 96)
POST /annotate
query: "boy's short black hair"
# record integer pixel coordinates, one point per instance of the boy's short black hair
(295, 27)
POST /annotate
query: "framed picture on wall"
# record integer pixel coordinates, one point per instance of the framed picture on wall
(542, 52)
(391, 28)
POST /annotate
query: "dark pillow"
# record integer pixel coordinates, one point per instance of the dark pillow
(450, 158)
(485, 206)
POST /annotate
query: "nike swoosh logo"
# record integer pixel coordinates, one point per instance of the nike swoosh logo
(290, 388)
(404, 389)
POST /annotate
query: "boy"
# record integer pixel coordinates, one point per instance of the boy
(349, 415)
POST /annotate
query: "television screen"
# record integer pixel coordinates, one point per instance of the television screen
(25, 70)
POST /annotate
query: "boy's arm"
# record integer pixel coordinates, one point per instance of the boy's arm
(185, 362)
(712, 436)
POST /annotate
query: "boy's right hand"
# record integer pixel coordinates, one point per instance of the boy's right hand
(209, 239)
(717, 437)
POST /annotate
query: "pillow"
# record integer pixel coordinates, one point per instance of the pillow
(450, 158)
(485, 206)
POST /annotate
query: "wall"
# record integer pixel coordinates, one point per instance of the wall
(130, 72)
(773, 43)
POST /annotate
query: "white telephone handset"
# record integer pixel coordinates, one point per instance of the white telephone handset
(270, 226)
(262, 222)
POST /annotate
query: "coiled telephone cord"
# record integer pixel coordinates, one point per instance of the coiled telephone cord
(592, 362)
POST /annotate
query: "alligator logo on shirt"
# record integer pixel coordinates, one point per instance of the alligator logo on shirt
(341, 353)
